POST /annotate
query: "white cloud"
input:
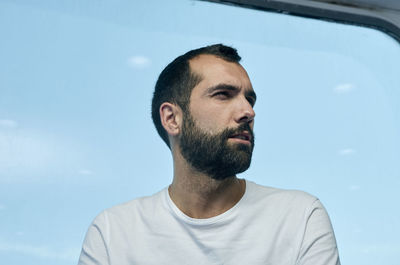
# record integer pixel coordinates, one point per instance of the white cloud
(19, 149)
(139, 61)
(85, 172)
(34, 155)
(8, 124)
(344, 88)
(354, 187)
(347, 151)
(2, 207)
(45, 252)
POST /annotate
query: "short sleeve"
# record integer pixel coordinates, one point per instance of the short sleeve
(319, 243)
(94, 249)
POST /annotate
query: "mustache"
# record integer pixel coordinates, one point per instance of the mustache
(241, 128)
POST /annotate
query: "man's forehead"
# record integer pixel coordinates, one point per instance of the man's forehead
(203, 62)
(214, 70)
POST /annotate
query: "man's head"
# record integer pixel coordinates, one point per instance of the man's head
(215, 100)
(177, 80)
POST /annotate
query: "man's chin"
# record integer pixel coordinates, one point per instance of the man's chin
(240, 147)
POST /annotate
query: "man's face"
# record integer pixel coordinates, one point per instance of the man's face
(217, 134)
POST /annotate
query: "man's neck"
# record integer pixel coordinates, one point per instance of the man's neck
(200, 196)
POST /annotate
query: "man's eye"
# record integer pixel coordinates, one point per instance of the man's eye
(251, 101)
(221, 94)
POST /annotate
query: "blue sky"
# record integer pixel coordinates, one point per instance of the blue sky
(76, 135)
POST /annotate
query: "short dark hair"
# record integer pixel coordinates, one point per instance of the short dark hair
(176, 81)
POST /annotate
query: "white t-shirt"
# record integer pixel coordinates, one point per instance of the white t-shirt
(267, 226)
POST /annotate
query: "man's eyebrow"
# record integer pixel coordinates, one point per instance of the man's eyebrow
(249, 93)
(222, 87)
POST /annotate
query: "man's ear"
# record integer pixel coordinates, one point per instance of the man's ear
(171, 118)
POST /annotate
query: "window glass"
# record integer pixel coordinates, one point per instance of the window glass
(76, 135)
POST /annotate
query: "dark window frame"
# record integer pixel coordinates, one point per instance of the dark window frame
(377, 17)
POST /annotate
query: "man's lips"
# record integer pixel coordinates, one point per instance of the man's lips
(245, 136)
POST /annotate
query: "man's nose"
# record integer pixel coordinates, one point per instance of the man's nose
(246, 112)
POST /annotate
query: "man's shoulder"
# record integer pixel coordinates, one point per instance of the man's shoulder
(146, 205)
(279, 197)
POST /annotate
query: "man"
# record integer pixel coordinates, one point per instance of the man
(203, 109)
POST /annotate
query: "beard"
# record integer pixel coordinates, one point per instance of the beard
(211, 154)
